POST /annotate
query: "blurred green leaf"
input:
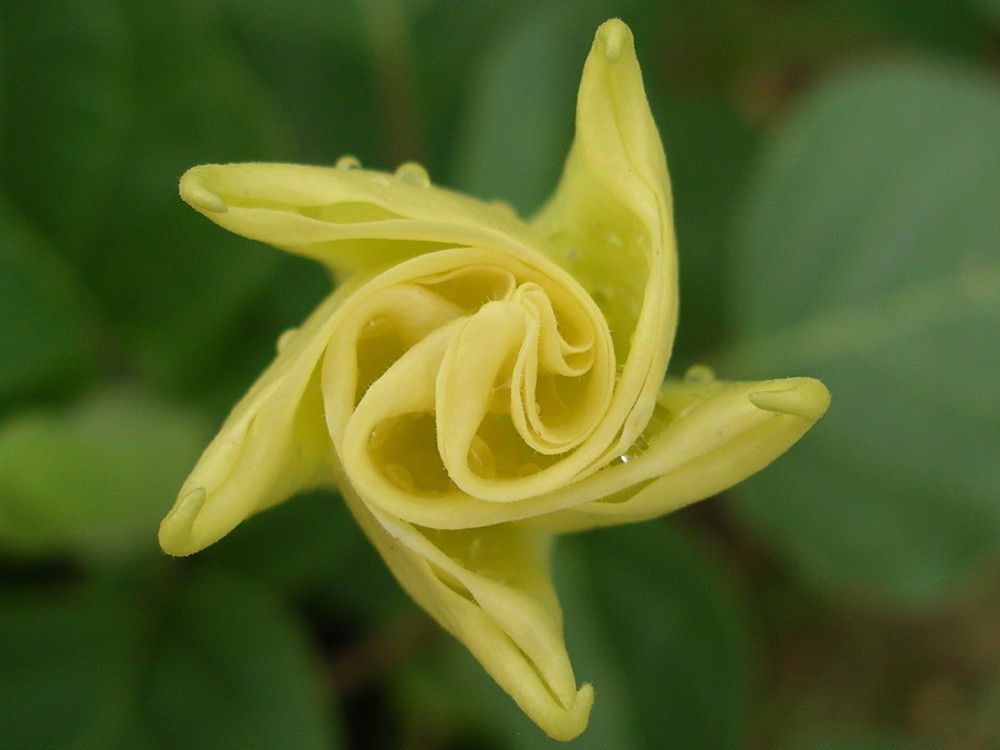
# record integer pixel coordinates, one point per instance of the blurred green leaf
(66, 81)
(519, 122)
(660, 607)
(230, 670)
(856, 739)
(316, 59)
(709, 149)
(211, 665)
(938, 25)
(171, 284)
(95, 478)
(311, 545)
(870, 256)
(65, 671)
(47, 332)
(651, 620)
(991, 7)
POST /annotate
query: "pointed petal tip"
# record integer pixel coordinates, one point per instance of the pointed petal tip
(807, 398)
(613, 37)
(176, 530)
(567, 723)
(196, 194)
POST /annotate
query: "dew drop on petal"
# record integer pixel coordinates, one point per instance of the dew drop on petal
(413, 174)
(481, 459)
(284, 338)
(699, 374)
(348, 162)
(527, 469)
(378, 435)
(615, 40)
(375, 327)
(399, 475)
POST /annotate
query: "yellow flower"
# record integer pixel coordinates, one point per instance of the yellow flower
(478, 383)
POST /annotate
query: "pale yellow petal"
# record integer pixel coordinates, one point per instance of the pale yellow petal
(273, 444)
(705, 436)
(348, 219)
(491, 589)
(612, 223)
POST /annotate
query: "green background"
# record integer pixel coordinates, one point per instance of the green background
(836, 172)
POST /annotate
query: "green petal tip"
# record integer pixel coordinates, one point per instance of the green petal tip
(198, 196)
(176, 529)
(807, 398)
(615, 36)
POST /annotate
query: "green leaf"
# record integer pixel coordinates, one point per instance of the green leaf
(47, 332)
(216, 664)
(708, 152)
(654, 602)
(310, 545)
(651, 620)
(66, 81)
(65, 672)
(93, 479)
(519, 121)
(866, 738)
(230, 671)
(869, 256)
(172, 285)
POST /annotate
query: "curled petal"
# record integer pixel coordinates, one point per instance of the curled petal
(705, 436)
(491, 589)
(273, 444)
(478, 382)
(350, 220)
(611, 222)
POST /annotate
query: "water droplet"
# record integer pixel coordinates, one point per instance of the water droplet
(399, 475)
(348, 162)
(616, 36)
(413, 174)
(528, 469)
(378, 436)
(699, 374)
(375, 327)
(475, 548)
(481, 460)
(285, 338)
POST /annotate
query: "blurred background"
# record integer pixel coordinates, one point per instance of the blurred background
(836, 172)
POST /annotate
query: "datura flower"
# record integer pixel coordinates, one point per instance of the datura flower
(478, 383)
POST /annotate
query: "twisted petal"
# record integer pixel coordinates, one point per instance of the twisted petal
(478, 382)
(348, 218)
(705, 436)
(491, 589)
(612, 222)
(273, 444)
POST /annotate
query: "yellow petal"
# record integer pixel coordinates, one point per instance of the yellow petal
(612, 222)
(705, 436)
(491, 589)
(273, 444)
(349, 219)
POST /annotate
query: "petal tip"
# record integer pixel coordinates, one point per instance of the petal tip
(196, 194)
(613, 37)
(176, 530)
(807, 398)
(568, 723)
